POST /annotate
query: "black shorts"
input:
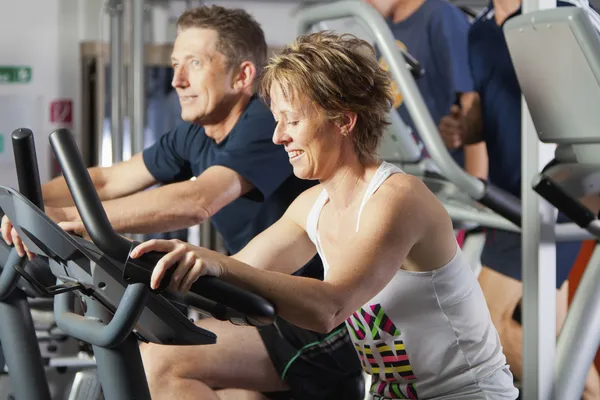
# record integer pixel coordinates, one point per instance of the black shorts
(314, 365)
(502, 253)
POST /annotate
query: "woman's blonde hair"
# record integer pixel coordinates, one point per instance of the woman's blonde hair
(340, 73)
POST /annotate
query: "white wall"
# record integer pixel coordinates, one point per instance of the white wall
(37, 34)
(276, 19)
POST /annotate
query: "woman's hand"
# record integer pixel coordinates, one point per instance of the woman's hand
(191, 262)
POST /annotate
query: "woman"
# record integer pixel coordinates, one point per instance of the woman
(393, 270)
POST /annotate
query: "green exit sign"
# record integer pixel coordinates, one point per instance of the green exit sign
(1, 143)
(15, 74)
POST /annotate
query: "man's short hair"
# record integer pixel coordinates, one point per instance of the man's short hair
(240, 37)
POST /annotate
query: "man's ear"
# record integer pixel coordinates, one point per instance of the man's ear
(244, 76)
(347, 122)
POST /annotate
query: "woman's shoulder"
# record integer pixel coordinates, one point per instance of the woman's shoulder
(301, 206)
(404, 194)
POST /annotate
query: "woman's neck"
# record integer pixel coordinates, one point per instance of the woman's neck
(346, 186)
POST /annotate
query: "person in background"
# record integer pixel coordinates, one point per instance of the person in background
(435, 33)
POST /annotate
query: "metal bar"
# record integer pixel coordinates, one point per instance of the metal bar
(538, 242)
(571, 232)
(120, 368)
(115, 10)
(100, 90)
(21, 350)
(138, 111)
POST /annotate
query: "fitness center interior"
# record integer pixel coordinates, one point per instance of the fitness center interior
(91, 83)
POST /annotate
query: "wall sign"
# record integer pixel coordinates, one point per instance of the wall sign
(15, 74)
(61, 112)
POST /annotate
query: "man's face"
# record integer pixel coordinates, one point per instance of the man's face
(201, 77)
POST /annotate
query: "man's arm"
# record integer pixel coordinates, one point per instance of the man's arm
(463, 126)
(111, 182)
(175, 206)
(449, 40)
(473, 118)
(476, 156)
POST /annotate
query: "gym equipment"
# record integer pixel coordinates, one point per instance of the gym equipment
(566, 61)
(118, 306)
(22, 337)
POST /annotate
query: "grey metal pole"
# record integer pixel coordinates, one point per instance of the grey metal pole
(100, 86)
(115, 10)
(138, 112)
(21, 350)
(120, 368)
(538, 256)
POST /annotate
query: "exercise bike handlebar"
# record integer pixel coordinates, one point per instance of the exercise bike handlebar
(28, 174)
(28, 178)
(258, 310)
(98, 333)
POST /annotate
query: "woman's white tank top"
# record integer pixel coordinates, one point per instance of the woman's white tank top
(426, 335)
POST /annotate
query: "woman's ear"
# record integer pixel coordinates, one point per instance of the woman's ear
(347, 122)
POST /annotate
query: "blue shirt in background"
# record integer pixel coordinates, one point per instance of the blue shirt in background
(186, 152)
(496, 82)
(436, 35)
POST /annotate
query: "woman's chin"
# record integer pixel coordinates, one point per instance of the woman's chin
(301, 173)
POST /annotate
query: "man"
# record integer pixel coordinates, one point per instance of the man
(495, 118)
(244, 183)
(435, 33)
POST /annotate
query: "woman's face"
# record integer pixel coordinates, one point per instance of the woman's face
(313, 142)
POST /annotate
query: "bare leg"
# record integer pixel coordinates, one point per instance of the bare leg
(240, 394)
(476, 160)
(502, 295)
(238, 360)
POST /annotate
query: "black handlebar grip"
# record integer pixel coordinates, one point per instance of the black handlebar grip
(28, 174)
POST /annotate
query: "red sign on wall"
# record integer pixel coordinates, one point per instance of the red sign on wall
(61, 112)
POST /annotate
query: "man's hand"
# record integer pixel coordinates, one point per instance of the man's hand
(66, 217)
(75, 227)
(453, 128)
(11, 237)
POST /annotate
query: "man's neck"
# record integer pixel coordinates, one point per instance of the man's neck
(405, 9)
(504, 8)
(219, 131)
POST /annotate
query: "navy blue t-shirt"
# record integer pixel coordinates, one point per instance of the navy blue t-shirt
(436, 35)
(496, 82)
(186, 152)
